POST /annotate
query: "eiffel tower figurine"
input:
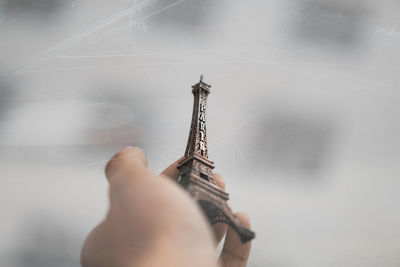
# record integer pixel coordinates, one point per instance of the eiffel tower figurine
(195, 170)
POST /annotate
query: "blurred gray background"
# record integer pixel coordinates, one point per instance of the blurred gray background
(303, 119)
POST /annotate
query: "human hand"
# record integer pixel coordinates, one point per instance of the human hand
(152, 221)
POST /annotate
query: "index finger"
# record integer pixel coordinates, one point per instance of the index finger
(172, 170)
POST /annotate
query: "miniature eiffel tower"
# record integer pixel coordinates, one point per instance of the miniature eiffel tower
(195, 170)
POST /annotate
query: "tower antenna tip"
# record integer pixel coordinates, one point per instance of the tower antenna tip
(201, 77)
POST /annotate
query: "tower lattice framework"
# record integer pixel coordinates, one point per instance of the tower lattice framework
(195, 170)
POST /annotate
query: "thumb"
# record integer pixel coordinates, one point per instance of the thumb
(130, 160)
(124, 168)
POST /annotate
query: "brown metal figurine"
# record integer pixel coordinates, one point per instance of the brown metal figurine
(195, 170)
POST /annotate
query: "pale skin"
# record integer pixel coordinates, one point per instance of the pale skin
(152, 221)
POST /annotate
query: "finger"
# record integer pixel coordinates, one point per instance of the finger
(219, 180)
(129, 162)
(234, 253)
(172, 170)
(219, 228)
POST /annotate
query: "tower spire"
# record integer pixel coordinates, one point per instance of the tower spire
(197, 143)
(195, 170)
